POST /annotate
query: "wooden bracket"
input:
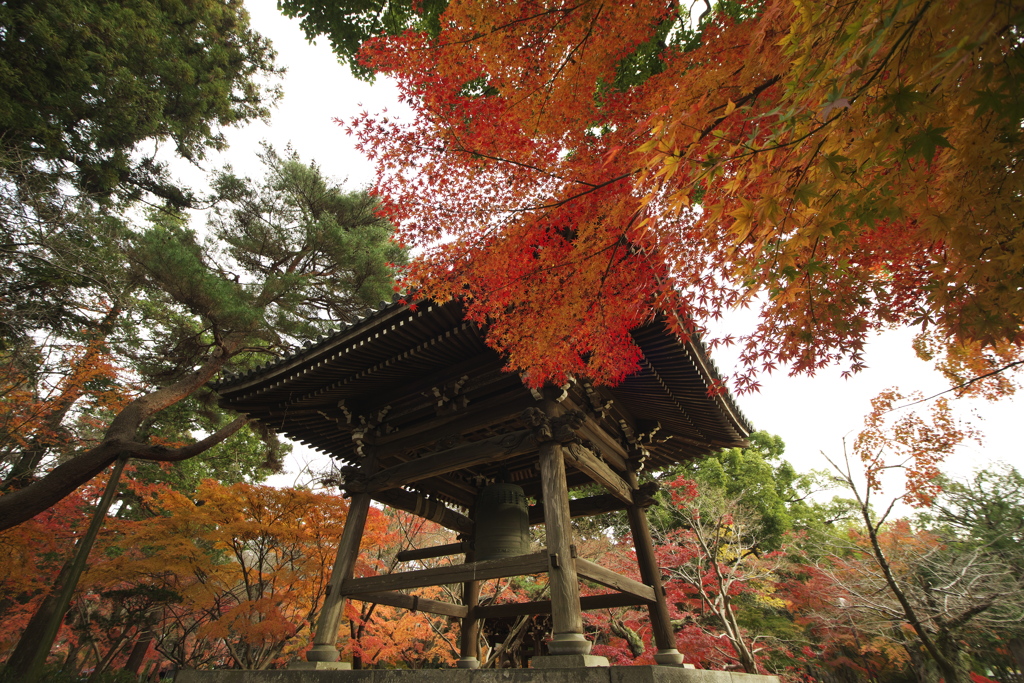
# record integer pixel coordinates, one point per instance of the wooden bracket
(561, 429)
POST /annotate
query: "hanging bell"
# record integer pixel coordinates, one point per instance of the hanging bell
(502, 522)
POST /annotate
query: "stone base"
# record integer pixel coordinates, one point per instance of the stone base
(573, 675)
(671, 658)
(601, 674)
(566, 661)
(300, 665)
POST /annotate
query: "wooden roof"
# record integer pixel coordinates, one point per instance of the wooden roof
(405, 383)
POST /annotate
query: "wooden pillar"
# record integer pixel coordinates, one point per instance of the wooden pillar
(325, 647)
(661, 624)
(470, 643)
(567, 632)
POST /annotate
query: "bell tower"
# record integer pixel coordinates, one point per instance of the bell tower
(424, 418)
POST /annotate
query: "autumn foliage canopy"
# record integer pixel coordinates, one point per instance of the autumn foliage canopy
(573, 169)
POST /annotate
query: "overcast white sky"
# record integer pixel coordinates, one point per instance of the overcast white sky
(812, 414)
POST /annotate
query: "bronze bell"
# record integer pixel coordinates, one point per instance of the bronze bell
(502, 522)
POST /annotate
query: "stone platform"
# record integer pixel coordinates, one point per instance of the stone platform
(610, 674)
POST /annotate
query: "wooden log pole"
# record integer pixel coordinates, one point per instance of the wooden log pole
(424, 507)
(650, 572)
(325, 642)
(433, 551)
(469, 655)
(567, 617)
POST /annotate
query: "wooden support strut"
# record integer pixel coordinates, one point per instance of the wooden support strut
(606, 577)
(585, 461)
(592, 431)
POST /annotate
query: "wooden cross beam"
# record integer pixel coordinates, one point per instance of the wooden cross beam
(414, 603)
(598, 505)
(440, 576)
(587, 603)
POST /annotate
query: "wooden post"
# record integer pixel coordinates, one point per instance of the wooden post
(470, 645)
(567, 618)
(325, 647)
(664, 636)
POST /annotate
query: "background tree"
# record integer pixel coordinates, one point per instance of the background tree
(985, 515)
(759, 480)
(232, 575)
(168, 311)
(714, 554)
(250, 564)
(87, 82)
(350, 23)
(160, 313)
(914, 585)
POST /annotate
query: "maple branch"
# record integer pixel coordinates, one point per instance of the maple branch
(752, 95)
(912, 24)
(962, 385)
(565, 62)
(521, 164)
(566, 200)
(522, 20)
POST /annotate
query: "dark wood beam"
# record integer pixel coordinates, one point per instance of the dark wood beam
(434, 510)
(585, 461)
(597, 505)
(606, 577)
(486, 413)
(457, 573)
(495, 449)
(588, 602)
(414, 603)
(432, 551)
(478, 366)
(592, 431)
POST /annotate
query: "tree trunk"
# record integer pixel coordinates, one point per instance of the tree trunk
(946, 667)
(1016, 646)
(119, 441)
(139, 650)
(37, 640)
(21, 659)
